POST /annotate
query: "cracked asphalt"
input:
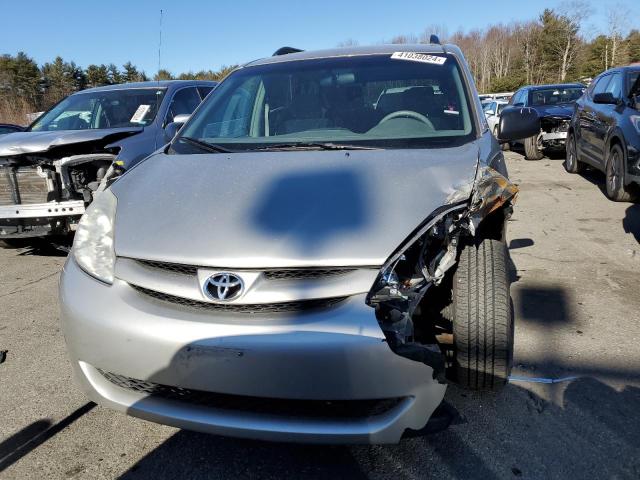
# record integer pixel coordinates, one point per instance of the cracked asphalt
(576, 271)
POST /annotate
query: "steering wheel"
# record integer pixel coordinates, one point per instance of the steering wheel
(409, 114)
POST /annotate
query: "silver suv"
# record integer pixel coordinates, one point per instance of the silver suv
(316, 254)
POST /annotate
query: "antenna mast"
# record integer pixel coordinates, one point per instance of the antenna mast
(160, 43)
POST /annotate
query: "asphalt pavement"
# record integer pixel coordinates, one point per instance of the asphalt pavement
(576, 295)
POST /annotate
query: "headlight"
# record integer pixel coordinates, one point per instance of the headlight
(93, 243)
(635, 120)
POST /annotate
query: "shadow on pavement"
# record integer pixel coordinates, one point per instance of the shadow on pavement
(631, 221)
(31, 437)
(590, 433)
(42, 247)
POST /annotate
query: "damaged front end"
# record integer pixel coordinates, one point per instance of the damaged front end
(46, 193)
(417, 325)
(553, 131)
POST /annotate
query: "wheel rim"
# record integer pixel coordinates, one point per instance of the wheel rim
(613, 172)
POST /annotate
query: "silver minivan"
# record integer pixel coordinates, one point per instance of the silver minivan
(315, 255)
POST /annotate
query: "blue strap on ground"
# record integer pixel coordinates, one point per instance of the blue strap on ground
(515, 378)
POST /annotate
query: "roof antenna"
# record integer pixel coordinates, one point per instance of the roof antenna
(160, 45)
(434, 39)
(158, 74)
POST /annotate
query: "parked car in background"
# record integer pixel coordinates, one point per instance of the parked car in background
(492, 110)
(605, 131)
(50, 171)
(9, 128)
(283, 270)
(554, 105)
(495, 96)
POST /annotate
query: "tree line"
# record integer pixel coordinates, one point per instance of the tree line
(550, 49)
(28, 87)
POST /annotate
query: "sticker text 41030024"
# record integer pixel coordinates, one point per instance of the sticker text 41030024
(419, 57)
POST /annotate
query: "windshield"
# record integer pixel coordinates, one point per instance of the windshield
(106, 109)
(367, 101)
(556, 96)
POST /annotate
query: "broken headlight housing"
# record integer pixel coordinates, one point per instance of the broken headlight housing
(93, 247)
(421, 261)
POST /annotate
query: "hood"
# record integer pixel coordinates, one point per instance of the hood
(565, 110)
(37, 142)
(283, 209)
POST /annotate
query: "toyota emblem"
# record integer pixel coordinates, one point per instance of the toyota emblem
(223, 287)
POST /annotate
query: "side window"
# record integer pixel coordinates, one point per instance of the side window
(184, 101)
(632, 83)
(520, 97)
(615, 85)
(204, 91)
(242, 113)
(601, 85)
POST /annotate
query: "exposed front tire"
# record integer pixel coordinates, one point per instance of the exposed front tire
(614, 173)
(482, 320)
(571, 162)
(531, 149)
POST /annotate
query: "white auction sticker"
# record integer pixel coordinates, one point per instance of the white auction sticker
(140, 113)
(419, 57)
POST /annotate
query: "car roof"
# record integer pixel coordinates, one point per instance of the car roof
(555, 85)
(151, 84)
(357, 51)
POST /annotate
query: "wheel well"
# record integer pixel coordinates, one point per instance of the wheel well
(493, 225)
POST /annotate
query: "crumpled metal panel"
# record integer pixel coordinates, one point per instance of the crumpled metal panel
(491, 191)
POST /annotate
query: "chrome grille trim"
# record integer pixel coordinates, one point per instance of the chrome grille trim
(305, 273)
(170, 267)
(274, 406)
(270, 274)
(266, 308)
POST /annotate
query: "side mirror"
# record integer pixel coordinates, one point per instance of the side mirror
(172, 128)
(605, 97)
(489, 113)
(182, 118)
(518, 123)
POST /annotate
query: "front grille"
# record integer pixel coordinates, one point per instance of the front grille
(271, 274)
(281, 307)
(305, 273)
(22, 186)
(289, 408)
(170, 267)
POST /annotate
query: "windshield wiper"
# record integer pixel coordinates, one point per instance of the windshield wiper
(209, 147)
(313, 146)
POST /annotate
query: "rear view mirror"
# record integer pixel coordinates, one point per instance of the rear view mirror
(605, 97)
(517, 123)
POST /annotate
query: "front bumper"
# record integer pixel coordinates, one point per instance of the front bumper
(337, 354)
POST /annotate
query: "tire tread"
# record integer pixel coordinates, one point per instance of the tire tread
(482, 327)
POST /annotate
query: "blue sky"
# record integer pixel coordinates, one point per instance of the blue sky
(201, 34)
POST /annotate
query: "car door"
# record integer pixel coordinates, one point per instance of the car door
(587, 143)
(605, 117)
